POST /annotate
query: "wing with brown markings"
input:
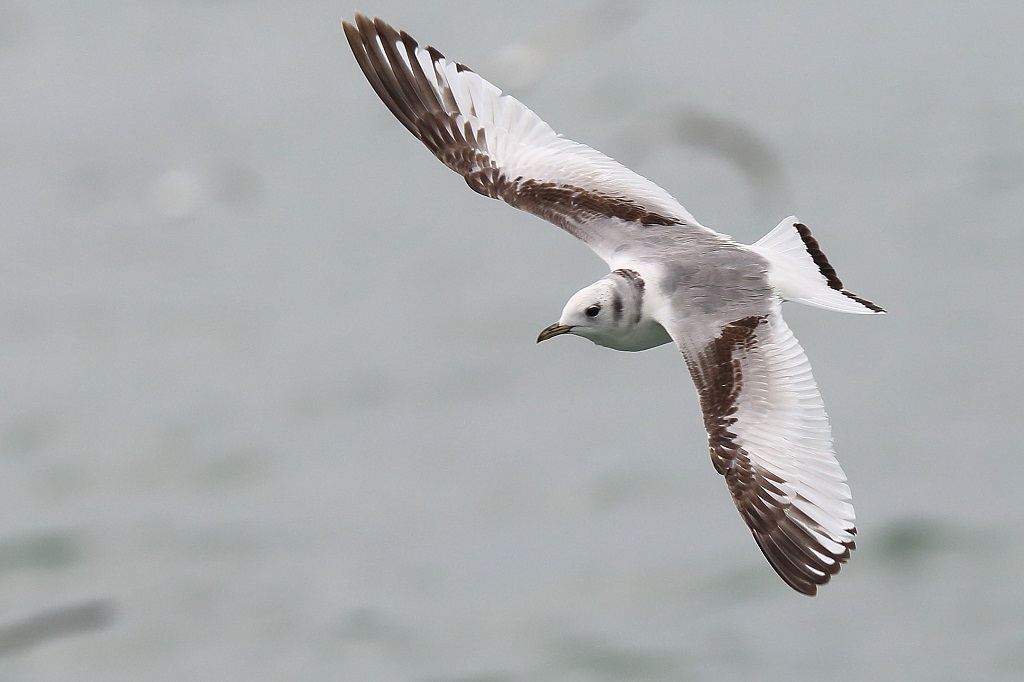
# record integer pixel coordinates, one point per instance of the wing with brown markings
(769, 436)
(503, 149)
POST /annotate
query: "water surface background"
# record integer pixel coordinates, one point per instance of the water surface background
(272, 406)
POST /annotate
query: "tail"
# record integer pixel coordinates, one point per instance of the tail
(799, 270)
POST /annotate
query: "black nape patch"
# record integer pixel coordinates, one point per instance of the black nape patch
(631, 276)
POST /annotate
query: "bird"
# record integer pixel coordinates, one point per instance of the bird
(671, 280)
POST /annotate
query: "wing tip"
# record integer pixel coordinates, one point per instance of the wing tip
(793, 564)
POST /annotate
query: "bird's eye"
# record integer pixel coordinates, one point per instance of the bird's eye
(593, 310)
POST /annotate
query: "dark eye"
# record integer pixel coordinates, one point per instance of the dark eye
(593, 310)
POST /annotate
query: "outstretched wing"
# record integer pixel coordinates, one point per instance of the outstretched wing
(503, 149)
(769, 436)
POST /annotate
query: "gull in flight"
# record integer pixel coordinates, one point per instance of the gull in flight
(671, 280)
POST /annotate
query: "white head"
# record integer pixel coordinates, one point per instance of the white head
(609, 312)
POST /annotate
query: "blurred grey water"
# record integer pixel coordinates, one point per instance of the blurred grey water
(272, 405)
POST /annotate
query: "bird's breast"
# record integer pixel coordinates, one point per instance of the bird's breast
(646, 334)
